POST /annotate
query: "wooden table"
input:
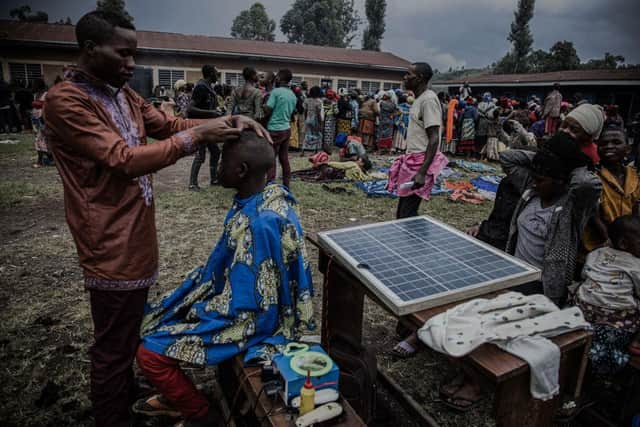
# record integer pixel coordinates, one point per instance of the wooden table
(342, 312)
(243, 384)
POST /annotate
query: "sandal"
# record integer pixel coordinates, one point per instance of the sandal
(404, 350)
(451, 387)
(162, 407)
(461, 404)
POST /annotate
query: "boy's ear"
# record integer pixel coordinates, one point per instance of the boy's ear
(243, 170)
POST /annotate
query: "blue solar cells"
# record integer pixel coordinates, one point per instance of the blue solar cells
(418, 258)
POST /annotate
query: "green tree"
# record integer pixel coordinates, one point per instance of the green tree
(375, 11)
(114, 6)
(609, 62)
(562, 56)
(23, 13)
(538, 61)
(520, 36)
(321, 22)
(254, 24)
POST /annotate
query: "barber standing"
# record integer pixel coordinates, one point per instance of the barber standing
(97, 128)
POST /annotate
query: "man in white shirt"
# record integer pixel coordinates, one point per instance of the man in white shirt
(423, 134)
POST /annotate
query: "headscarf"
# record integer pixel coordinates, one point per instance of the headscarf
(179, 84)
(560, 155)
(590, 117)
(331, 95)
(486, 97)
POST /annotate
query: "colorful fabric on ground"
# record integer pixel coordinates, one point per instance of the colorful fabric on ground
(473, 166)
(375, 188)
(487, 182)
(458, 185)
(319, 158)
(256, 285)
(405, 167)
(467, 196)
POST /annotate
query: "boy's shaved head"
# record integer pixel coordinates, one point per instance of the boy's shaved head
(246, 159)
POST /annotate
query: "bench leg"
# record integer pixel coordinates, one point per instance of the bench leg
(514, 406)
(342, 304)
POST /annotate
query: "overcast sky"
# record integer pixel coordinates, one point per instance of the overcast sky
(445, 33)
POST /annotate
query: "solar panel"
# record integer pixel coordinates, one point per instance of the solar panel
(417, 263)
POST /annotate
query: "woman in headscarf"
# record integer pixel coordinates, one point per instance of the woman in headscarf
(401, 122)
(584, 123)
(330, 107)
(367, 118)
(345, 113)
(312, 121)
(467, 125)
(385, 130)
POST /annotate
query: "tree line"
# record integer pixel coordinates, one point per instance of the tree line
(336, 22)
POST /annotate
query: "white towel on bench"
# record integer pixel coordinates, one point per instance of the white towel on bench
(516, 323)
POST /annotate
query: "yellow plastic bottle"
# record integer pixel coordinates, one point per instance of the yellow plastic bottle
(307, 396)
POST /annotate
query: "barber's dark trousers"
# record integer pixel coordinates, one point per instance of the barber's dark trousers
(199, 159)
(117, 316)
(408, 206)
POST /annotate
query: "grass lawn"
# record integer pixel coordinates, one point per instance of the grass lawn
(45, 322)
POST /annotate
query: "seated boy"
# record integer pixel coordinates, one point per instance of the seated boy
(609, 296)
(620, 186)
(254, 288)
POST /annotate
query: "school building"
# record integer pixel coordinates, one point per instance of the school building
(35, 50)
(604, 87)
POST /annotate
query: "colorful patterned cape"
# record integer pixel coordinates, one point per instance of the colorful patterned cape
(255, 287)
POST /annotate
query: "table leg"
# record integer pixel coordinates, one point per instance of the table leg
(514, 406)
(342, 303)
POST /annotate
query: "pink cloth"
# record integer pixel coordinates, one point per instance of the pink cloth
(406, 166)
(319, 158)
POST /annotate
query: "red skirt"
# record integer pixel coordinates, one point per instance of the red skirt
(366, 127)
(551, 125)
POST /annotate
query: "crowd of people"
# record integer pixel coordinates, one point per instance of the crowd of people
(569, 205)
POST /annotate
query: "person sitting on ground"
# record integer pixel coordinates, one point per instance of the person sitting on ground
(620, 187)
(609, 297)
(352, 150)
(584, 123)
(254, 288)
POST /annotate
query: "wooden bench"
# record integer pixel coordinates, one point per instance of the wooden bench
(243, 389)
(342, 312)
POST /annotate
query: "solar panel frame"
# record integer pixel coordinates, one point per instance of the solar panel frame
(385, 256)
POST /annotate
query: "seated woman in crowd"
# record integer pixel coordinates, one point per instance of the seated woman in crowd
(584, 123)
(609, 297)
(558, 194)
(620, 186)
(255, 288)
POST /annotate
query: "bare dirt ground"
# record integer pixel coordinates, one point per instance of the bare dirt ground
(45, 325)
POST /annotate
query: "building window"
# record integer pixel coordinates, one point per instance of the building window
(296, 80)
(347, 84)
(370, 87)
(234, 79)
(25, 72)
(392, 85)
(167, 78)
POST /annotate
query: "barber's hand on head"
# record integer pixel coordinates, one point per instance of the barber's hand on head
(216, 130)
(418, 181)
(243, 122)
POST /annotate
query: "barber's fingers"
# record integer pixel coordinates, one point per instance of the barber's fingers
(230, 134)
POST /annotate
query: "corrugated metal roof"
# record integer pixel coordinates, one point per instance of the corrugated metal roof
(65, 34)
(556, 76)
